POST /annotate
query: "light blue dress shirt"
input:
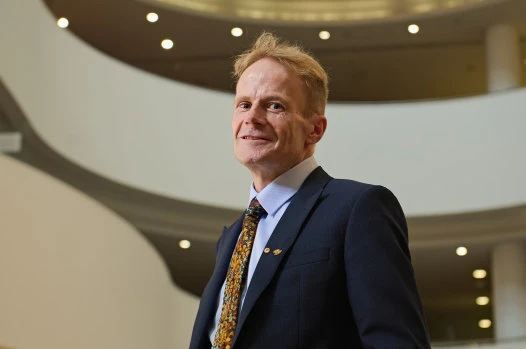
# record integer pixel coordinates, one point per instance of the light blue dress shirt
(275, 198)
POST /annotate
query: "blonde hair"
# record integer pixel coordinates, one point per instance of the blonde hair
(267, 45)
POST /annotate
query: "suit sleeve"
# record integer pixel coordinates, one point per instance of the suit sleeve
(380, 279)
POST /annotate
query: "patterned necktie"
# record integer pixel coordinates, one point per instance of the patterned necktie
(235, 278)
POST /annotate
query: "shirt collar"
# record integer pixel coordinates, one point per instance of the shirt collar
(277, 193)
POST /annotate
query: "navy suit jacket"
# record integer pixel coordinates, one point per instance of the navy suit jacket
(343, 279)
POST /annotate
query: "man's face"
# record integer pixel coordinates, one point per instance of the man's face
(271, 132)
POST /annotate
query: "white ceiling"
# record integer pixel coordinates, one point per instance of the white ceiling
(321, 12)
(367, 61)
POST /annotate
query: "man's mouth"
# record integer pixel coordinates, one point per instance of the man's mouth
(253, 138)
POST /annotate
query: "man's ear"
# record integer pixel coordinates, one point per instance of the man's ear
(317, 128)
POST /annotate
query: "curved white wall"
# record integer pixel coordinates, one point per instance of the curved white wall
(75, 275)
(167, 137)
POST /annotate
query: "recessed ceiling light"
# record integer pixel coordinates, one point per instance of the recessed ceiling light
(152, 17)
(167, 44)
(63, 22)
(236, 31)
(413, 28)
(324, 35)
(479, 273)
(462, 251)
(483, 300)
(485, 323)
(184, 244)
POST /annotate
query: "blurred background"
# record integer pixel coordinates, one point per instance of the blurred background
(118, 176)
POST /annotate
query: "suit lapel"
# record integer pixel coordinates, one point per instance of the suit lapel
(283, 237)
(208, 305)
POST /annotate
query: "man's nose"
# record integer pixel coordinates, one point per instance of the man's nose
(255, 116)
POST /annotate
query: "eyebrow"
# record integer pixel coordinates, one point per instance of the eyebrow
(281, 98)
(240, 98)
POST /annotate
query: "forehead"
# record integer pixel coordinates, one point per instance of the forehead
(269, 73)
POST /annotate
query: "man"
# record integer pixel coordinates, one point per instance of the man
(315, 262)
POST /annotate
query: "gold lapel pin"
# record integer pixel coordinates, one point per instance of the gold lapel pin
(266, 250)
(277, 251)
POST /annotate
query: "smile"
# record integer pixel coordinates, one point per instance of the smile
(251, 138)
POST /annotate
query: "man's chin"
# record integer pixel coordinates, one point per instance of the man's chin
(249, 156)
(253, 161)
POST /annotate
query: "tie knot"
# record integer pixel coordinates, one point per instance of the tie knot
(255, 209)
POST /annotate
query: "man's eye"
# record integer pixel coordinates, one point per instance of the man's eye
(244, 105)
(276, 106)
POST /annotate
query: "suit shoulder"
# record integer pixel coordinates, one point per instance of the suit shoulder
(347, 188)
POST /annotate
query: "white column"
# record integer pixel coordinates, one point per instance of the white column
(503, 57)
(509, 290)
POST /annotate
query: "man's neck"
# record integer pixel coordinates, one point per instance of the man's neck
(261, 179)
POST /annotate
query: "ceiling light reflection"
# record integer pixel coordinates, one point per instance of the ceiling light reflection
(479, 273)
(63, 22)
(483, 300)
(236, 31)
(461, 251)
(185, 244)
(485, 323)
(152, 17)
(167, 44)
(413, 28)
(324, 35)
